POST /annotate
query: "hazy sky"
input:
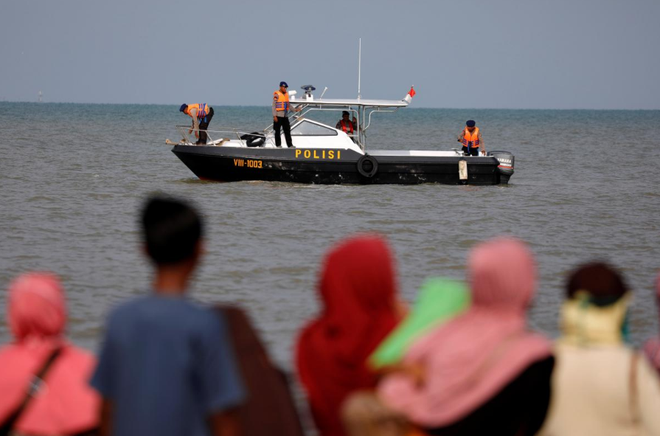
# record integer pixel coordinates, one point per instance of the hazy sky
(601, 54)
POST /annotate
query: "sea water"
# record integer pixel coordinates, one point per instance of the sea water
(73, 178)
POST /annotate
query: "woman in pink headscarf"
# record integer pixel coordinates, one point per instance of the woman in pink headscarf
(482, 372)
(63, 404)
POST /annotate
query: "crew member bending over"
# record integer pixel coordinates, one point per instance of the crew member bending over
(201, 114)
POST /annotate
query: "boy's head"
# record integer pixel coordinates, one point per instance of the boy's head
(171, 230)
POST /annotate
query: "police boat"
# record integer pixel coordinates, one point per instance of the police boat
(323, 154)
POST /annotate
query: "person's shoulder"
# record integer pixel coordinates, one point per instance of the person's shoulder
(11, 353)
(79, 358)
(543, 365)
(199, 314)
(130, 304)
(128, 309)
(203, 321)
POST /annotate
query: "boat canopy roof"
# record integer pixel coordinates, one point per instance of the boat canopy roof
(343, 102)
(362, 108)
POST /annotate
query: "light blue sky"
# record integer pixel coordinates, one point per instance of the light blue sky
(601, 54)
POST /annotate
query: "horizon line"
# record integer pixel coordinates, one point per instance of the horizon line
(267, 106)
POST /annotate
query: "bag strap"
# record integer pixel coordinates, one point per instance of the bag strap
(30, 393)
(634, 406)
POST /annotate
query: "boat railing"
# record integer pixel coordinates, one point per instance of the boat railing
(362, 114)
(219, 133)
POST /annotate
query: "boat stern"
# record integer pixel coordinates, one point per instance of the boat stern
(506, 163)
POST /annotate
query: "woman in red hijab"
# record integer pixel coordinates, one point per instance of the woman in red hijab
(63, 403)
(359, 303)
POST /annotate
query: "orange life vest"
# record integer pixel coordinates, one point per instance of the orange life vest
(471, 140)
(282, 101)
(346, 125)
(202, 110)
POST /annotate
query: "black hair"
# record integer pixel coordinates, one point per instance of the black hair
(171, 230)
(603, 282)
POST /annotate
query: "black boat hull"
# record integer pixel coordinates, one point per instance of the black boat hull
(334, 166)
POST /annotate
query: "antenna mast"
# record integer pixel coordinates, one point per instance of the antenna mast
(359, 64)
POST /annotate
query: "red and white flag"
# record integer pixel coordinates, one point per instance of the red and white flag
(410, 95)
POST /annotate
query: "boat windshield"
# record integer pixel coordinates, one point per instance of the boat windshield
(307, 128)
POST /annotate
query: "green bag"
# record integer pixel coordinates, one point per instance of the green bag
(439, 299)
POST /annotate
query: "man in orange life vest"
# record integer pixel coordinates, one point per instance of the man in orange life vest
(346, 124)
(470, 137)
(201, 114)
(281, 110)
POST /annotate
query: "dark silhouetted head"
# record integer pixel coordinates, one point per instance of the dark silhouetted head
(171, 229)
(601, 281)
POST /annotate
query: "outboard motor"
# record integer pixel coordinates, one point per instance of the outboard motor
(505, 167)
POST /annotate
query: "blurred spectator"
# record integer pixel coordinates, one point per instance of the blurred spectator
(600, 386)
(63, 403)
(439, 300)
(481, 372)
(270, 408)
(652, 346)
(359, 307)
(166, 366)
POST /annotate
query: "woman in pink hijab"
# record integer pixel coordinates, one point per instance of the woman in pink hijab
(63, 404)
(482, 372)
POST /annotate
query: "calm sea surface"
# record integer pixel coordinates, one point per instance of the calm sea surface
(73, 178)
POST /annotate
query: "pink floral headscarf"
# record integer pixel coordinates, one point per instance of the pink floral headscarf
(471, 358)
